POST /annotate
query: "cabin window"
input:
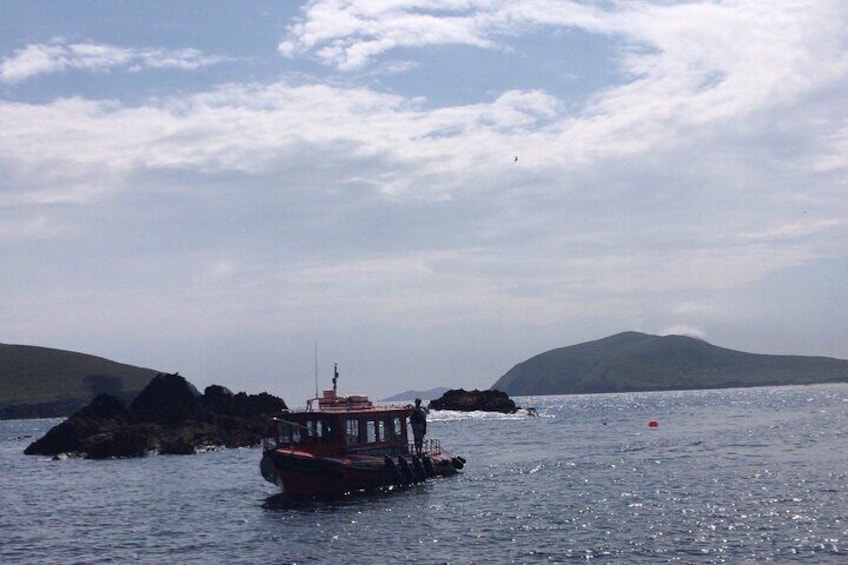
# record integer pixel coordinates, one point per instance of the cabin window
(397, 427)
(371, 432)
(352, 430)
(284, 432)
(314, 429)
(330, 432)
(381, 431)
(289, 432)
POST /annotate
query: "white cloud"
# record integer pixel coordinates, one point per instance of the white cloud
(688, 65)
(713, 60)
(256, 129)
(58, 56)
(719, 50)
(353, 34)
(684, 329)
(81, 151)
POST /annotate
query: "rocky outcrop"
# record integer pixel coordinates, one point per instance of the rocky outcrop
(471, 400)
(168, 416)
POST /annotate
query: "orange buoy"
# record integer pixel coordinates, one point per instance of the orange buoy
(653, 424)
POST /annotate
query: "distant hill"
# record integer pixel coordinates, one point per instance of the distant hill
(633, 361)
(424, 395)
(39, 382)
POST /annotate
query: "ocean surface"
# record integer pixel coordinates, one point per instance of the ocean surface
(727, 476)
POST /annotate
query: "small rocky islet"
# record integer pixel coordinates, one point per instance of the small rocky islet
(474, 400)
(170, 416)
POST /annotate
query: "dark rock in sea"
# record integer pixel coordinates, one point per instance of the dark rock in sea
(471, 400)
(168, 400)
(169, 416)
(105, 414)
(122, 441)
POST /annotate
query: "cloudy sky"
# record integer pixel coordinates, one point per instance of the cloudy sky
(429, 190)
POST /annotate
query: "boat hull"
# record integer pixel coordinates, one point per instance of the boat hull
(303, 475)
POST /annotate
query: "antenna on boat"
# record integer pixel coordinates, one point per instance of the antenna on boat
(316, 369)
(335, 377)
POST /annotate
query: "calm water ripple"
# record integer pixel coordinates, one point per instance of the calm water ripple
(732, 476)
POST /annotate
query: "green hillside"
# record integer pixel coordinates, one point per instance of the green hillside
(633, 361)
(42, 382)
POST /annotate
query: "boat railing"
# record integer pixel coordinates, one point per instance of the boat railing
(433, 446)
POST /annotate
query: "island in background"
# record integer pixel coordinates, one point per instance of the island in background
(633, 361)
(40, 382)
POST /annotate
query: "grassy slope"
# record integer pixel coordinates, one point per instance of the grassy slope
(634, 361)
(31, 374)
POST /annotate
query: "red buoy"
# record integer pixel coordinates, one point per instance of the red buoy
(653, 424)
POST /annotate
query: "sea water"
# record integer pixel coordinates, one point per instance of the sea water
(727, 476)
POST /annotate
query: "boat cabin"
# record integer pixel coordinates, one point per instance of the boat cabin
(343, 425)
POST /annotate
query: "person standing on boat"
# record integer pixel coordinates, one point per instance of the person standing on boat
(418, 420)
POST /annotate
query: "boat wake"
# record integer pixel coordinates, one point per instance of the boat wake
(454, 415)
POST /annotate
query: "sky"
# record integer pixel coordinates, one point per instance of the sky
(425, 192)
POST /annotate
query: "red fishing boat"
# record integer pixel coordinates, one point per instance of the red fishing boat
(346, 444)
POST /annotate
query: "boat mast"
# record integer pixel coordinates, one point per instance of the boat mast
(316, 369)
(335, 378)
